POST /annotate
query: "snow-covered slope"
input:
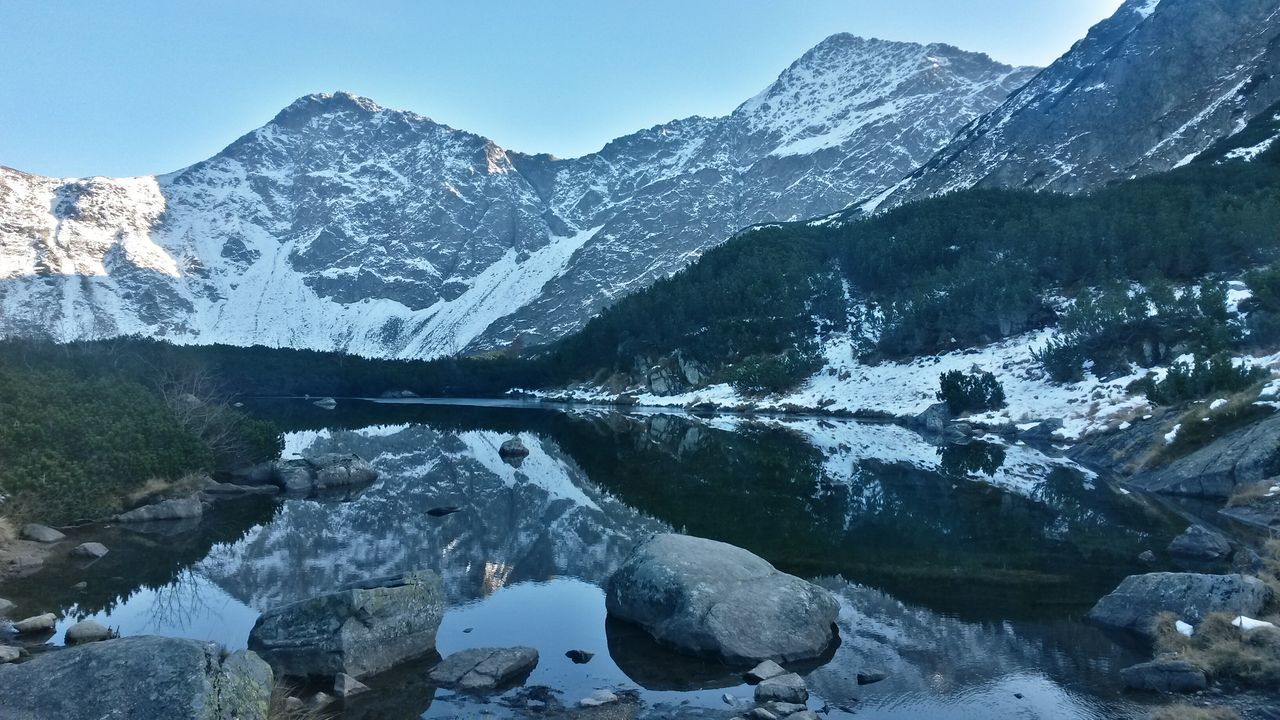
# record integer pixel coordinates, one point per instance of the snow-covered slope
(1149, 89)
(344, 225)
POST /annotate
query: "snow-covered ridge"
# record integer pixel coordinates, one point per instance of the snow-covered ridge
(345, 225)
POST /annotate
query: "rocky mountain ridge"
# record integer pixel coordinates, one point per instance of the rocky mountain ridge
(342, 225)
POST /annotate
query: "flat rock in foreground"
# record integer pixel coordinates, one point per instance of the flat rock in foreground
(137, 678)
(360, 630)
(713, 599)
(484, 668)
(1137, 603)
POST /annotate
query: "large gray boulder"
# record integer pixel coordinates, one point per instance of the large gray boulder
(484, 668)
(175, 509)
(713, 599)
(137, 678)
(318, 472)
(1140, 599)
(41, 533)
(87, 631)
(359, 630)
(1165, 675)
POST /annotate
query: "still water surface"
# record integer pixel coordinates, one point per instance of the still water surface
(963, 572)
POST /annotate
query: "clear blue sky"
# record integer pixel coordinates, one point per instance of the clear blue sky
(145, 86)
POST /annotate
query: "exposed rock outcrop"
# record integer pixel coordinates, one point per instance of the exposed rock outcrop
(1200, 543)
(1165, 675)
(1243, 457)
(359, 630)
(710, 598)
(309, 474)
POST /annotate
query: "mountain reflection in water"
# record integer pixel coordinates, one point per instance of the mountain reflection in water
(963, 571)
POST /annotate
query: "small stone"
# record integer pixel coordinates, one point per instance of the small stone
(87, 631)
(36, 624)
(867, 677)
(41, 533)
(580, 657)
(760, 714)
(345, 686)
(513, 448)
(293, 705)
(443, 511)
(764, 671)
(789, 688)
(89, 550)
(1200, 543)
(5, 607)
(728, 699)
(1147, 557)
(467, 630)
(1018, 695)
(9, 653)
(1165, 675)
(803, 715)
(82, 585)
(320, 699)
(598, 698)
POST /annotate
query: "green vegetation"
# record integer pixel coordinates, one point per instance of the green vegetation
(764, 373)
(1216, 376)
(78, 440)
(967, 269)
(970, 392)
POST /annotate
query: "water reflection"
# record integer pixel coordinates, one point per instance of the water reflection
(962, 571)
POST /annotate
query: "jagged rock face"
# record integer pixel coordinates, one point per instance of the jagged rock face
(1149, 88)
(344, 225)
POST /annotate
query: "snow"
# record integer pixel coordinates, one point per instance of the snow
(1172, 435)
(1147, 8)
(1251, 153)
(1248, 623)
(1217, 403)
(1184, 628)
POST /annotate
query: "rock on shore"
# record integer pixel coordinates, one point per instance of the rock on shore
(713, 599)
(359, 630)
(138, 677)
(484, 668)
(1140, 599)
(301, 475)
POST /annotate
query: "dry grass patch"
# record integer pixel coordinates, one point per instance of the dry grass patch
(1248, 657)
(8, 531)
(1182, 711)
(155, 489)
(280, 709)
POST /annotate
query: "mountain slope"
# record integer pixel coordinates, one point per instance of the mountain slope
(1147, 90)
(344, 225)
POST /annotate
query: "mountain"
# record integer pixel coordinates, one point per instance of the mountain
(1147, 90)
(347, 226)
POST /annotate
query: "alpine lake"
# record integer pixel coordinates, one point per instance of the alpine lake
(964, 572)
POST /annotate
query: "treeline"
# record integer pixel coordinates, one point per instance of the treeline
(952, 272)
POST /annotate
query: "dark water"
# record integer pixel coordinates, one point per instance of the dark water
(963, 572)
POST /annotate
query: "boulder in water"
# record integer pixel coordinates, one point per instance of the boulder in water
(41, 533)
(36, 624)
(1140, 599)
(789, 688)
(187, 508)
(87, 631)
(89, 551)
(484, 668)
(360, 630)
(1165, 675)
(709, 598)
(513, 448)
(138, 677)
(1200, 543)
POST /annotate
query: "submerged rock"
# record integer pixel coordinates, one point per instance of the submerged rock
(484, 668)
(87, 631)
(710, 598)
(138, 677)
(1200, 543)
(41, 533)
(89, 551)
(6, 606)
(360, 630)
(870, 677)
(1165, 675)
(345, 686)
(9, 653)
(1140, 599)
(175, 509)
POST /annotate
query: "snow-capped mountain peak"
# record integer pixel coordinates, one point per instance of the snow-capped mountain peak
(341, 224)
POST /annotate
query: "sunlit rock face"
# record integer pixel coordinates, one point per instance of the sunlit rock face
(344, 225)
(1149, 89)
